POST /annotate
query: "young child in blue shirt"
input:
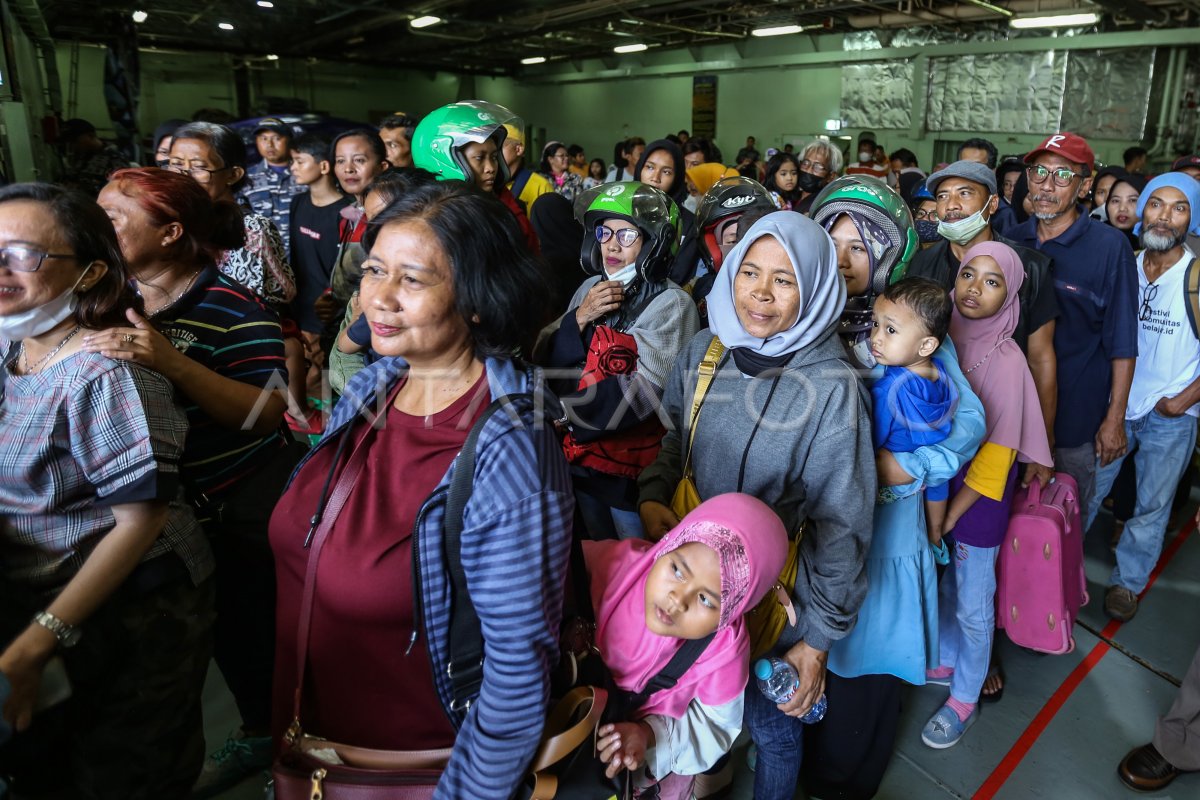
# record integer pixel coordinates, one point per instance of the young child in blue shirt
(914, 400)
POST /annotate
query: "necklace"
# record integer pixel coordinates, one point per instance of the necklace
(177, 297)
(983, 360)
(29, 369)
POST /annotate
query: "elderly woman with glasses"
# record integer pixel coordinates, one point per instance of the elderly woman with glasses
(555, 166)
(215, 157)
(820, 162)
(624, 327)
(105, 578)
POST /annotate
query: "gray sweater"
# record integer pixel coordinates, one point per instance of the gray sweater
(811, 460)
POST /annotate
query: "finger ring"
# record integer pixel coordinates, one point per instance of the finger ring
(128, 337)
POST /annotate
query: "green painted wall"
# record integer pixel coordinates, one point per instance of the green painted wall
(577, 106)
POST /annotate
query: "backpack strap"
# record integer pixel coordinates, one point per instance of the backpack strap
(623, 704)
(465, 668)
(520, 181)
(1191, 295)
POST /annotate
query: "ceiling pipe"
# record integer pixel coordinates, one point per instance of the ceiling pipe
(958, 13)
(981, 11)
(1164, 106)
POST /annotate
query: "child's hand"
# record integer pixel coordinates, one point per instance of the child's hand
(326, 307)
(935, 536)
(624, 745)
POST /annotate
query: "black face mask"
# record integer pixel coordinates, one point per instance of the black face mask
(807, 182)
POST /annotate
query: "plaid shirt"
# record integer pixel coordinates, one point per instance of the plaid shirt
(83, 435)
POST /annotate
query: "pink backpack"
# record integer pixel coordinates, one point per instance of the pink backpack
(1040, 583)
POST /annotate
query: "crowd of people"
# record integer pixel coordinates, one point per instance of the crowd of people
(239, 401)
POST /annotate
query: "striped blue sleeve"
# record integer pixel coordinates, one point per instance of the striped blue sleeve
(514, 551)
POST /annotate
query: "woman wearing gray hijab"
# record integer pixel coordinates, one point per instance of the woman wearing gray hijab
(895, 640)
(785, 419)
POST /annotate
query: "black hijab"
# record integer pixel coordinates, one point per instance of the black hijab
(1137, 182)
(560, 233)
(678, 190)
(1020, 192)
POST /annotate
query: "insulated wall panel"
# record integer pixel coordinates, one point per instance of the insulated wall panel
(1108, 93)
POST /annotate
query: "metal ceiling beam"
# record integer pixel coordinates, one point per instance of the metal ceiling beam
(1094, 41)
(1133, 9)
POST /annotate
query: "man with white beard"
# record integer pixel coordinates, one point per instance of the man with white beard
(1164, 399)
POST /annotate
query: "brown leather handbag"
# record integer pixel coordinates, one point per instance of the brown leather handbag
(300, 773)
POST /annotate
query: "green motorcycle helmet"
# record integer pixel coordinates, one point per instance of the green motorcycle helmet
(443, 134)
(883, 219)
(654, 213)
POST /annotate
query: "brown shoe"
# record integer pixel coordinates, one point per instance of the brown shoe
(1145, 770)
(1120, 603)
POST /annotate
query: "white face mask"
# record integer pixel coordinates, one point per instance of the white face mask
(625, 274)
(692, 203)
(961, 231)
(866, 157)
(38, 320)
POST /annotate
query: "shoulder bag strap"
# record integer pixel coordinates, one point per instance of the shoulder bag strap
(666, 677)
(322, 523)
(465, 668)
(707, 369)
(1191, 295)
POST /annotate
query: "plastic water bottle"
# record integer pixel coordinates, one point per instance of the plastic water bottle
(778, 682)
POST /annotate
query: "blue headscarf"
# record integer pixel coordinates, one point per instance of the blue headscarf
(1176, 180)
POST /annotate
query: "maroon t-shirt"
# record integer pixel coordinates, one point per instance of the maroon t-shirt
(368, 681)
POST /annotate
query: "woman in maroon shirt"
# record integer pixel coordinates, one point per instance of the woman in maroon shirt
(445, 288)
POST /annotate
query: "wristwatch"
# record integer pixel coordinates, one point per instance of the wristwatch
(67, 635)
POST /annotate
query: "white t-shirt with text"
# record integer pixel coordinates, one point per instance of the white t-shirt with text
(1168, 351)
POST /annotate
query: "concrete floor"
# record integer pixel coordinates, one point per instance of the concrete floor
(1086, 726)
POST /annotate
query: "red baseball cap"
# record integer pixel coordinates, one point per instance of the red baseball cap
(1185, 161)
(1068, 145)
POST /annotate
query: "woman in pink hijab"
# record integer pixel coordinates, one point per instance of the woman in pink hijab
(982, 322)
(696, 582)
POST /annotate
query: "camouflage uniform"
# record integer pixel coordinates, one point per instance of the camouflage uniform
(269, 194)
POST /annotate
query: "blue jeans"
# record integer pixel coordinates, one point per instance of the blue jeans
(967, 618)
(780, 742)
(1161, 448)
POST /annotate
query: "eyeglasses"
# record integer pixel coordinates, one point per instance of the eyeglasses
(816, 167)
(27, 259)
(1062, 175)
(1148, 295)
(625, 237)
(201, 174)
(930, 215)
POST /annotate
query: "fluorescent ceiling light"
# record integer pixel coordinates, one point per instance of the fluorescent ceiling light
(629, 48)
(272, 57)
(225, 26)
(425, 22)
(140, 16)
(1055, 20)
(778, 30)
(534, 60)
(265, 4)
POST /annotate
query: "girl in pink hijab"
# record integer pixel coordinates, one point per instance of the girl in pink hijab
(982, 322)
(697, 581)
